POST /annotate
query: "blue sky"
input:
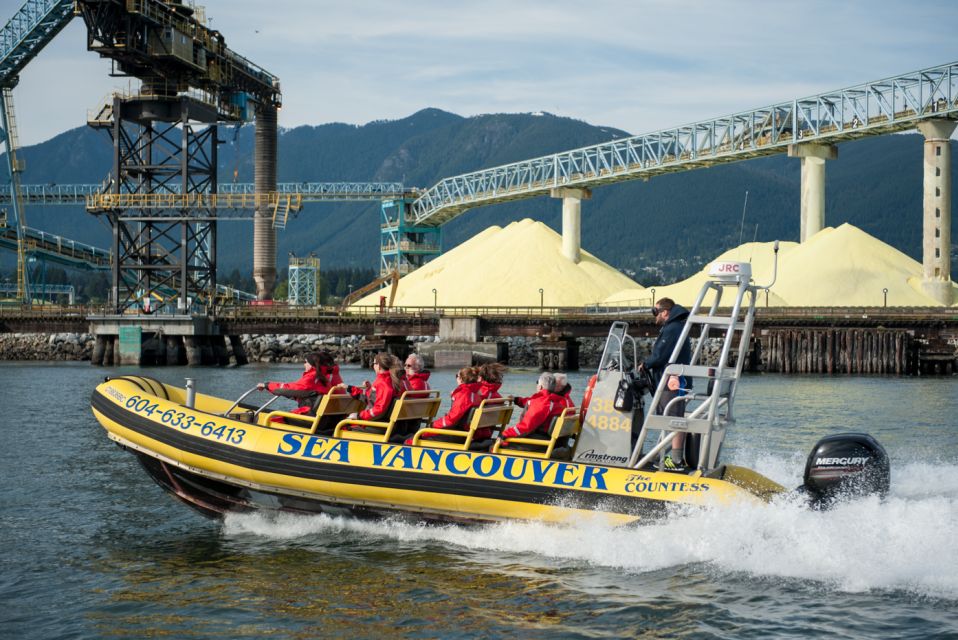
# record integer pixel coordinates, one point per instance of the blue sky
(640, 65)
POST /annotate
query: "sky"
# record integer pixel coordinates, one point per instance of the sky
(637, 65)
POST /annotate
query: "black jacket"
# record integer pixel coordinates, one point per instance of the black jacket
(665, 344)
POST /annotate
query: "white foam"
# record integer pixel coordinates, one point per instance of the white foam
(904, 542)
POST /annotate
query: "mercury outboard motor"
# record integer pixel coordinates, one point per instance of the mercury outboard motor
(846, 465)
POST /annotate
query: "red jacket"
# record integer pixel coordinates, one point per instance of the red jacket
(489, 390)
(416, 382)
(332, 374)
(464, 398)
(540, 407)
(305, 389)
(380, 395)
(307, 382)
(563, 400)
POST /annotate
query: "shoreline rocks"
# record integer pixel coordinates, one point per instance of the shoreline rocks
(271, 348)
(46, 346)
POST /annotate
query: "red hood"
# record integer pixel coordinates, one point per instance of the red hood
(488, 388)
(466, 387)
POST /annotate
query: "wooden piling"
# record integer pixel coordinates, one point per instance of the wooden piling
(853, 350)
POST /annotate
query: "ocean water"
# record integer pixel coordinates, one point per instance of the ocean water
(91, 548)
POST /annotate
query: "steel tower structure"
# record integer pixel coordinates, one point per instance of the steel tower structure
(304, 281)
(165, 141)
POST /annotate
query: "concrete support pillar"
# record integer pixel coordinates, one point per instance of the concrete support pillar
(220, 353)
(174, 351)
(239, 353)
(264, 235)
(207, 356)
(155, 350)
(458, 329)
(129, 346)
(108, 345)
(813, 184)
(194, 354)
(99, 348)
(936, 236)
(572, 220)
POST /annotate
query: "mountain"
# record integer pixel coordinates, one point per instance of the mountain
(672, 223)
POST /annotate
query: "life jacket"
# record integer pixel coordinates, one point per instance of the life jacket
(540, 407)
(332, 377)
(464, 398)
(304, 390)
(564, 399)
(378, 397)
(417, 381)
(489, 390)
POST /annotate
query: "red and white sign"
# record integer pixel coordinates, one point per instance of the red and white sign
(730, 270)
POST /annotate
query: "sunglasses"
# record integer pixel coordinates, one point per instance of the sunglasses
(656, 311)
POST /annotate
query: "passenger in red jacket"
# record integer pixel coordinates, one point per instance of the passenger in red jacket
(464, 397)
(382, 391)
(320, 374)
(490, 380)
(416, 378)
(563, 393)
(540, 408)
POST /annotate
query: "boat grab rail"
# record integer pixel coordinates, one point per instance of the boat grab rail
(331, 404)
(238, 400)
(256, 413)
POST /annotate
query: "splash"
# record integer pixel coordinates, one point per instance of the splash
(903, 542)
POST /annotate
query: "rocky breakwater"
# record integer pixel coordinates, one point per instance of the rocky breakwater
(293, 348)
(46, 346)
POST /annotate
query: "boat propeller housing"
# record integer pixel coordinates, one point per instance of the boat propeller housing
(846, 465)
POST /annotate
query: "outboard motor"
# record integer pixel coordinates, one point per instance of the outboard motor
(846, 465)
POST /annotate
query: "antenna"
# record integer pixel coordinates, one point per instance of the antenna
(741, 228)
(754, 240)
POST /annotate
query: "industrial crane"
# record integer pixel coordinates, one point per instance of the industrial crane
(164, 138)
(22, 38)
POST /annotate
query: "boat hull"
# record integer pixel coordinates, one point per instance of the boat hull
(219, 465)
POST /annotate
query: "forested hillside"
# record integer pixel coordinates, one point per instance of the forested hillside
(659, 229)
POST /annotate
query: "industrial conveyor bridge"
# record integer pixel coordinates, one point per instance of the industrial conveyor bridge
(875, 108)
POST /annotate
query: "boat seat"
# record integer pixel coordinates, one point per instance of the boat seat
(412, 405)
(566, 425)
(491, 412)
(331, 406)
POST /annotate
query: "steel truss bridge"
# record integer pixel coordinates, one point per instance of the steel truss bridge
(236, 200)
(885, 106)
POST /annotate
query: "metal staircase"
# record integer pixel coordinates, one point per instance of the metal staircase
(708, 401)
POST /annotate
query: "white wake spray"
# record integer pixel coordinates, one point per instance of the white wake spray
(904, 542)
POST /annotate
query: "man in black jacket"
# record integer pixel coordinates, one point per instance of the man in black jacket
(671, 317)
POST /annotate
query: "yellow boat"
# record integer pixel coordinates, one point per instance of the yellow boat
(222, 456)
(219, 463)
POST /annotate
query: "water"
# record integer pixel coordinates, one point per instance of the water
(93, 549)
